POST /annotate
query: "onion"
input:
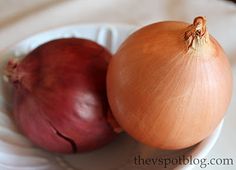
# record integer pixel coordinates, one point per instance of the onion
(170, 84)
(60, 100)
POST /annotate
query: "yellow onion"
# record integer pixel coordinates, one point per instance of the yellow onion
(170, 84)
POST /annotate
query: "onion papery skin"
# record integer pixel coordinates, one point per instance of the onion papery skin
(60, 100)
(169, 84)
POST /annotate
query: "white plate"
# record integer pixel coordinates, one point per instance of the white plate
(17, 153)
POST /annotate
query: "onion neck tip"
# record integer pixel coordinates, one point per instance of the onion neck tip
(196, 34)
(10, 72)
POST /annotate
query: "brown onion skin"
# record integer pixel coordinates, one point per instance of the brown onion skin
(60, 100)
(165, 92)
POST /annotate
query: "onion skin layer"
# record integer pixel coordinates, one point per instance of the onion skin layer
(60, 100)
(169, 84)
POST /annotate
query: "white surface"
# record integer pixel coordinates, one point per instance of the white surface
(221, 17)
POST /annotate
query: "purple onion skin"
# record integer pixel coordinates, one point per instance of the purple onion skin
(60, 100)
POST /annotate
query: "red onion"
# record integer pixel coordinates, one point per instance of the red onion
(60, 100)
